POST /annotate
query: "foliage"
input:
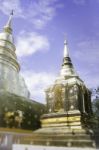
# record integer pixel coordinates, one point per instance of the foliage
(95, 102)
(95, 106)
(90, 121)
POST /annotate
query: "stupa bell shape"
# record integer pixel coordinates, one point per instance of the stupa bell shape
(10, 78)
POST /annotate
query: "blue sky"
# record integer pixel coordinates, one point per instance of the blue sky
(39, 27)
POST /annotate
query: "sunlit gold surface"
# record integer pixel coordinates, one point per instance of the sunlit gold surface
(71, 121)
(61, 119)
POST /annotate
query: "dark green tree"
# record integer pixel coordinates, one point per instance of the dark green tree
(95, 106)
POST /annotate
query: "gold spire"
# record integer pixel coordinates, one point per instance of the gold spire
(7, 27)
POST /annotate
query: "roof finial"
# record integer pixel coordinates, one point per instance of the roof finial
(7, 27)
(12, 12)
(66, 53)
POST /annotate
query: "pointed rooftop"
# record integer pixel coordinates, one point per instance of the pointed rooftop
(6, 35)
(66, 51)
(7, 27)
(7, 44)
(67, 69)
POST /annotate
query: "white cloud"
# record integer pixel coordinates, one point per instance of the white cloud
(29, 43)
(6, 6)
(90, 78)
(87, 54)
(37, 83)
(88, 51)
(79, 2)
(38, 12)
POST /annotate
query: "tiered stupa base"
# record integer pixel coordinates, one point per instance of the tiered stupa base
(56, 136)
(70, 119)
(62, 129)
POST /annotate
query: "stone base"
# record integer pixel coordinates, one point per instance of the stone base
(52, 136)
(63, 129)
(63, 136)
(69, 120)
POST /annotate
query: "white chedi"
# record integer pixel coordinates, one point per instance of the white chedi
(10, 78)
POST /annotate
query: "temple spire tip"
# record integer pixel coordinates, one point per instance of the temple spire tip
(66, 53)
(12, 12)
(7, 27)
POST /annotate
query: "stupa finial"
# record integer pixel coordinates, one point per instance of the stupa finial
(66, 52)
(7, 27)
